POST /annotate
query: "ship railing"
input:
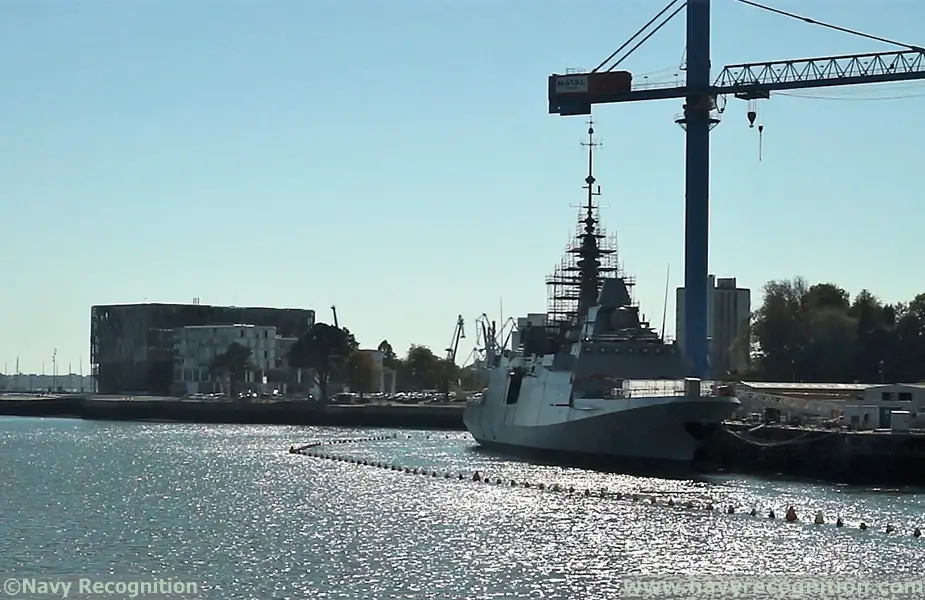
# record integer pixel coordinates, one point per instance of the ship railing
(641, 388)
(653, 387)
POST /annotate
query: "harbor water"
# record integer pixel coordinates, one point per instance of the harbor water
(229, 508)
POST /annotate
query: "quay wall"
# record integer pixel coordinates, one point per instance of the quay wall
(856, 457)
(409, 416)
(864, 458)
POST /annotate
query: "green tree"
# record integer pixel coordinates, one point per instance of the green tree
(473, 377)
(831, 345)
(908, 356)
(778, 329)
(389, 359)
(818, 333)
(745, 343)
(421, 369)
(323, 350)
(449, 376)
(234, 363)
(874, 335)
(360, 372)
(825, 296)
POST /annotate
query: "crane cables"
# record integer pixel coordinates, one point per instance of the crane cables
(670, 5)
(845, 96)
(831, 26)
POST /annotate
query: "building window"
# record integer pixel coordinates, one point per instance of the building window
(242, 333)
(886, 396)
(905, 396)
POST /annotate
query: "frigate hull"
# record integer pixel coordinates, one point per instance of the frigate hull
(658, 430)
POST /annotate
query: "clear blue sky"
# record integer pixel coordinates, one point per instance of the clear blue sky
(397, 159)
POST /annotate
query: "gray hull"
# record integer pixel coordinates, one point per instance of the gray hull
(664, 429)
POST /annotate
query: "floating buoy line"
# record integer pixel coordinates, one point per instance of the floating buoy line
(317, 450)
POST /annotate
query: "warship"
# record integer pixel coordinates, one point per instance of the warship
(593, 379)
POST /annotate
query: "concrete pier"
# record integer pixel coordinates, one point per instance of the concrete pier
(879, 457)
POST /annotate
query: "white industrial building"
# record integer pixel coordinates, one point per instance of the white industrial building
(896, 406)
(198, 345)
(862, 406)
(728, 316)
(822, 400)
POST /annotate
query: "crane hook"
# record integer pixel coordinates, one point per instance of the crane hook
(752, 115)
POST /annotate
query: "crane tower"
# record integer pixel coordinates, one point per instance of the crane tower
(575, 93)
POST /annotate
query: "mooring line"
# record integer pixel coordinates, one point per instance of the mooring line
(314, 450)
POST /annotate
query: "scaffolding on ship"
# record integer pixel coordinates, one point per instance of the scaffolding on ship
(590, 257)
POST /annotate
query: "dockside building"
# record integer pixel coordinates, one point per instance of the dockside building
(133, 347)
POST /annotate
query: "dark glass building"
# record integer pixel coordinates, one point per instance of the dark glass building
(132, 346)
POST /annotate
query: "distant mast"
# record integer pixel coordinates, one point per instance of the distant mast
(589, 258)
(589, 261)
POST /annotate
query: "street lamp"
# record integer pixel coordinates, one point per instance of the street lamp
(54, 371)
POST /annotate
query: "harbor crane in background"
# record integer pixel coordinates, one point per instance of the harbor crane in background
(575, 93)
(459, 333)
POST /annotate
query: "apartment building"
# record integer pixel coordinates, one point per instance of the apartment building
(728, 316)
(197, 347)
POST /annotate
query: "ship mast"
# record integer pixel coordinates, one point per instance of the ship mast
(590, 257)
(589, 254)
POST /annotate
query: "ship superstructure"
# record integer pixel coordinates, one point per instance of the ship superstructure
(595, 378)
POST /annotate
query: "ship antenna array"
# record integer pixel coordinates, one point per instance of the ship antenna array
(590, 180)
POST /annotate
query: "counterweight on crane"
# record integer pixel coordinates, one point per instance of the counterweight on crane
(575, 93)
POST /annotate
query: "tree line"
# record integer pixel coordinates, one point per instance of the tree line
(327, 354)
(818, 333)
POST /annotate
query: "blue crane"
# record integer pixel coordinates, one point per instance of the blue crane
(575, 93)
